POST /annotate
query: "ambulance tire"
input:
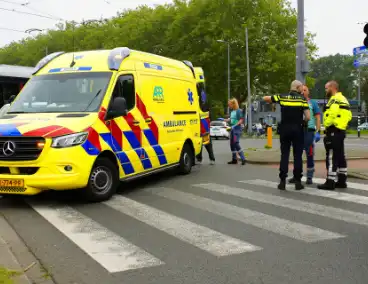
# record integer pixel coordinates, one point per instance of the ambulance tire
(104, 188)
(186, 160)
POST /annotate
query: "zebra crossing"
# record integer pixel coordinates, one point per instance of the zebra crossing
(117, 254)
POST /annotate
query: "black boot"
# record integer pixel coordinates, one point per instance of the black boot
(328, 185)
(282, 185)
(298, 185)
(232, 162)
(292, 180)
(341, 182)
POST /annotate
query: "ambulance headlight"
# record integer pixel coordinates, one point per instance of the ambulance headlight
(69, 140)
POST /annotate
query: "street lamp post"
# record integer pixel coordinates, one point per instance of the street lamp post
(228, 71)
(29, 31)
(248, 85)
(301, 62)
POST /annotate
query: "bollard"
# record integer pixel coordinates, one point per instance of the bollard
(358, 127)
(269, 136)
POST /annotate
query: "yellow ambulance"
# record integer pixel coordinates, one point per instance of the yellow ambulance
(87, 120)
(203, 103)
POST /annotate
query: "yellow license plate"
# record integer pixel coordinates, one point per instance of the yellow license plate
(206, 139)
(11, 183)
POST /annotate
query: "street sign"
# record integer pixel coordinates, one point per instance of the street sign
(361, 63)
(361, 56)
(360, 50)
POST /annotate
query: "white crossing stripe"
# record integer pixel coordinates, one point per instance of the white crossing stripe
(312, 208)
(111, 251)
(359, 199)
(266, 222)
(353, 185)
(201, 237)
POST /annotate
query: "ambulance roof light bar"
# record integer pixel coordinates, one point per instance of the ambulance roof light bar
(190, 65)
(116, 56)
(44, 61)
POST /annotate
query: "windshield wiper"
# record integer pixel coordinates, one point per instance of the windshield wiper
(16, 112)
(99, 91)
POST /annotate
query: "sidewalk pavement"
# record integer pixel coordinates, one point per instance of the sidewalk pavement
(17, 264)
(357, 159)
(275, 136)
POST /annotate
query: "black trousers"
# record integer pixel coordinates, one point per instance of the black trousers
(335, 154)
(209, 149)
(291, 135)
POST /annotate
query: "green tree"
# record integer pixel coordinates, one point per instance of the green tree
(335, 67)
(188, 30)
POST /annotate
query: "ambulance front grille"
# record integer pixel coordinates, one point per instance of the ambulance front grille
(20, 148)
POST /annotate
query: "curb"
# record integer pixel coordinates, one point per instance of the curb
(255, 162)
(22, 256)
(358, 176)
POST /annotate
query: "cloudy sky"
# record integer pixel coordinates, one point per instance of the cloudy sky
(335, 22)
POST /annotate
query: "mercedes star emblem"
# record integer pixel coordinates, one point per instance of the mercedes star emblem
(9, 148)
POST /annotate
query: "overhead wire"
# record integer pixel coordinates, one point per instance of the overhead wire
(13, 30)
(27, 13)
(26, 5)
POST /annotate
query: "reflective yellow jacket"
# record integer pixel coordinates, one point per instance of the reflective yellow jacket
(337, 112)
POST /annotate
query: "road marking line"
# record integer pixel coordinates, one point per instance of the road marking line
(353, 185)
(260, 220)
(111, 251)
(201, 237)
(308, 207)
(312, 191)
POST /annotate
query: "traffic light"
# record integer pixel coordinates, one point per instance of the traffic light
(366, 38)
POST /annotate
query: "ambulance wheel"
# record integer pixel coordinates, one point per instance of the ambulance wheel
(186, 160)
(103, 181)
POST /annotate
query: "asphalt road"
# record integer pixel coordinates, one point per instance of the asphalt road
(221, 224)
(350, 142)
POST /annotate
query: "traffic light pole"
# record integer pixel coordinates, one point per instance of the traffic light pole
(359, 104)
(300, 46)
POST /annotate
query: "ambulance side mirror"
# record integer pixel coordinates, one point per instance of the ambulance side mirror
(118, 108)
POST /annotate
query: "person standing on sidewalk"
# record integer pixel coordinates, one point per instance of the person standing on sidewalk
(236, 119)
(336, 118)
(311, 135)
(293, 106)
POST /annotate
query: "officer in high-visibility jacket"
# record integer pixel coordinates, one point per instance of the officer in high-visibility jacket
(336, 118)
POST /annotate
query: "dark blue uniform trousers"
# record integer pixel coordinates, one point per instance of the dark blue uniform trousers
(291, 135)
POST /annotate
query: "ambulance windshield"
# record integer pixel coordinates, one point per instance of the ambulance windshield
(71, 92)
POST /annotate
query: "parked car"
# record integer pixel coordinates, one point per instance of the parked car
(363, 126)
(220, 129)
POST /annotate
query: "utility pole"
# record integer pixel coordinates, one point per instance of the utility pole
(248, 84)
(228, 76)
(302, 65)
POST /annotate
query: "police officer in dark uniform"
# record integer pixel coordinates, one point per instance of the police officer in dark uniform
(293, 107)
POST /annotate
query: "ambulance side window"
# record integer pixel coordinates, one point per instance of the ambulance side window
(125, 88)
